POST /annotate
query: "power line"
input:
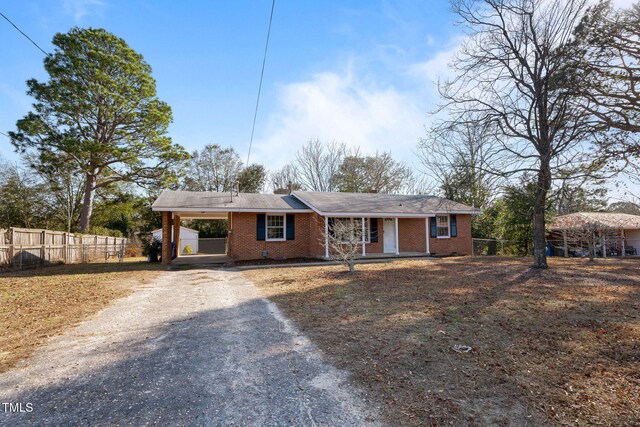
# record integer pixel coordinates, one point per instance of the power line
(22, 32)
(2, 133)
(264, 60)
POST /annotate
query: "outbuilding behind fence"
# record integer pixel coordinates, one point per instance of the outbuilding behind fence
(25, 247)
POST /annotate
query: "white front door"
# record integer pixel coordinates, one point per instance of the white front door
(389, 236)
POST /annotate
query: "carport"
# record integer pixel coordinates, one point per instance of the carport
(171, 219)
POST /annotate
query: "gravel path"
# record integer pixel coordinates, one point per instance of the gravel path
(195, 347)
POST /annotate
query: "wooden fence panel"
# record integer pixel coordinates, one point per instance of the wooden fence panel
(22, 247)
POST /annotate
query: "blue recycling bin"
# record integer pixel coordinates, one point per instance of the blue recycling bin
(549, 249)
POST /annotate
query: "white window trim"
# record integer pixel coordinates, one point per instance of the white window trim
(448, 236)
(266, 228)
(367, 239)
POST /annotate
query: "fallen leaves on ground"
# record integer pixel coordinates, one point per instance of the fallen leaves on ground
(38, 304)
(556, 346)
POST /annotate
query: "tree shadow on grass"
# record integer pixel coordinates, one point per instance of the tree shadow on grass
(546, 344)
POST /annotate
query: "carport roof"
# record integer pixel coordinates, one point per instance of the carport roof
(208, 201)
(581, 220)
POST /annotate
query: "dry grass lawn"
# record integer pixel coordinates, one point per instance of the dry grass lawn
(38, 304)
(560, 346)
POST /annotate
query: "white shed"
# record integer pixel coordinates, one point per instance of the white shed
(188, 236)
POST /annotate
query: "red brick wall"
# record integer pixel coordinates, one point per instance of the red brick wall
(461, 245)
(309, 239)
(317, 237)
(243, 242)
(411, 235)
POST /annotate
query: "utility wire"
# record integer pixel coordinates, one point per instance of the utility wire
(2, 133)
(22, 32)
(264, 60)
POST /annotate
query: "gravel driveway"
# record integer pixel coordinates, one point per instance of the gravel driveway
(195, 347)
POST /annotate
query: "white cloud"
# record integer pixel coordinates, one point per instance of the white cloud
(341, 106)
(82, 8)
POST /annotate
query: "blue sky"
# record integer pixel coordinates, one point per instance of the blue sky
(361, 72)
(335, 70)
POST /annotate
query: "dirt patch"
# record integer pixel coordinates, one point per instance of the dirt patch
(38, 304)
(559, 346)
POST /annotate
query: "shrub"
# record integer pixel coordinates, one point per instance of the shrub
(152, 249)
(188, 250)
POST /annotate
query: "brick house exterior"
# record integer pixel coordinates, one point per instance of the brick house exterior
(299, 225)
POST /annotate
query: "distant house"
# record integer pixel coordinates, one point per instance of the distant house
(188, 237)
(611, 234)
(299, 224)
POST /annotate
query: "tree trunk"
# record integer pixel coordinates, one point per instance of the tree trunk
(539, 233)
(87, 204)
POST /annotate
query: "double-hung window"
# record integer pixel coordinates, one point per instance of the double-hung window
(347, 230)
(275, 227)
(442, 225)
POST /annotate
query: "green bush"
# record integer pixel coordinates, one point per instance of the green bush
(103, 231)
(151, 249)
(188, 250)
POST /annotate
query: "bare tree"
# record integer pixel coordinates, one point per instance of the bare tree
(317, 163)
(379, 173)
(285, 180)
(465, 161)
(508, 76)
(345, 240)
(603, 73)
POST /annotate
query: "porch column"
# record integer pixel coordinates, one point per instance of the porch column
(364, 252)
(176, 234)
(326, 237)
(564, 240)
(166, 238)
(623, 246)
(426, 234)
(396, 225)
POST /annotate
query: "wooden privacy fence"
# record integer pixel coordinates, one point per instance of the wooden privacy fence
(25, 247)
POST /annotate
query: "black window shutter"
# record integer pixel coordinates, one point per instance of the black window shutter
(291, 226)
(260, 226)
(330, 222)
(432, 227)
(373, 227)
(454, 226)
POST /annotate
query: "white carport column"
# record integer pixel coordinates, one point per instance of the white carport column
(364, 252)
(623, 248)
(326, 237)
(426, 234)
(396, 225)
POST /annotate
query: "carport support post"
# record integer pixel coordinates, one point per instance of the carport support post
(176, 234)
(564, 241)
(623, 248)
(166, 238)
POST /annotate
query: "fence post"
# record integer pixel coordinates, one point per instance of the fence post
(65, 239)
(20, 257)
(10, 250)
(43, 242)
